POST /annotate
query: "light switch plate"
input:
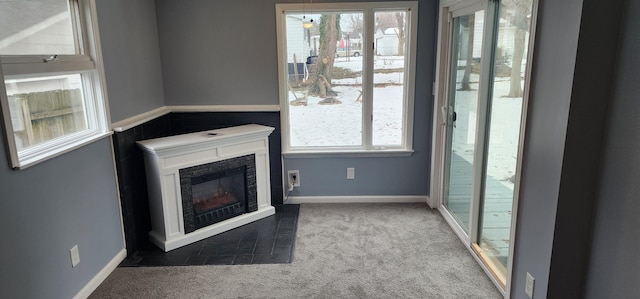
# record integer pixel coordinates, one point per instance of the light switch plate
(528, 288)
(351, 173)
(75, 256)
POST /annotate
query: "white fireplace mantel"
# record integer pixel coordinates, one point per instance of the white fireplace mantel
(164, 157)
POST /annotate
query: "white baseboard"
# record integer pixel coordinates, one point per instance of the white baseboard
(358, 199)
(102, 275)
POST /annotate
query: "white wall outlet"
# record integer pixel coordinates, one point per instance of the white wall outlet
(75, 256)
(528, 288)
(351, 173)
(294, 179)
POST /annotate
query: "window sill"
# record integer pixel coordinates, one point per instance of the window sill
(59, 150)
(349, 153)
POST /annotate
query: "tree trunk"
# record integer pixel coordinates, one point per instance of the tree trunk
(520, 23)
(515, 88)
(400, 32)
(466, 78)
(326, 56)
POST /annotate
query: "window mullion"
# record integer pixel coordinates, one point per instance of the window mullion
(367, 88)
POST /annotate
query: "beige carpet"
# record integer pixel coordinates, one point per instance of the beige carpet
(341, 251)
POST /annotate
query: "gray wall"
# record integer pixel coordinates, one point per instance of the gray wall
(219, 52)
(72, 199)
(206, 63)
(554, 53)
(128, 31)
(572, 67)
(597, 48)
(47, 209)
(615, 263)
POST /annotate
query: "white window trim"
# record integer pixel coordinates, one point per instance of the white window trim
(89, 63)
(368, 8)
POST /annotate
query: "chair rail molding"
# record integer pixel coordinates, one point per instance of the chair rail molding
(136, 120)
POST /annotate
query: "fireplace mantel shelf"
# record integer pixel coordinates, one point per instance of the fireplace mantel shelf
(167, 145)
(164, 157)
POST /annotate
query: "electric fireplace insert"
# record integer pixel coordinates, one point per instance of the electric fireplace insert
(218, 191)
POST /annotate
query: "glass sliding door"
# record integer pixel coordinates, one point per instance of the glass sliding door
(461, 113)
(484, 55)
(503, 131)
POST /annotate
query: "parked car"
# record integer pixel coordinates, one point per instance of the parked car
(351, 52)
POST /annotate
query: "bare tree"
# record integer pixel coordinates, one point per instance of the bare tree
(384, 21)
(466, 81)
(321, 78)
(356, 22)
(400, 32)
(517, 11)
(395, 20)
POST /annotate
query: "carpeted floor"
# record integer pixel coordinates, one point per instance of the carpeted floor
(341, 251)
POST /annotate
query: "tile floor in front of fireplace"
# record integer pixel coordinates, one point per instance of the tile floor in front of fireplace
(267, 241)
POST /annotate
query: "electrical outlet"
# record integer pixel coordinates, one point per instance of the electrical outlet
(294, 178)
(528, 288)
(75, 256)
(351, 173)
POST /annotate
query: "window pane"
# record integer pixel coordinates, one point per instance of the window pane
(464, 83)
(324, 79)
(45, 108)
(388, 77)
(36, 27)
(504, 129)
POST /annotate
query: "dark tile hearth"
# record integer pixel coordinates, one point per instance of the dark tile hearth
(266, 241)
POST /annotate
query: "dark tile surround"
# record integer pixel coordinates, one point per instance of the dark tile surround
(267, 241)
(132, 181)
(130, 161)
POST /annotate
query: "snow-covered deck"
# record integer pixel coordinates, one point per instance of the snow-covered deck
(496, 219)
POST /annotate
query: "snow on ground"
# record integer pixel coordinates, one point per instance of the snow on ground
(380, 62)
(504, 131)
(379, 78)
(341, 124)
(327, 125)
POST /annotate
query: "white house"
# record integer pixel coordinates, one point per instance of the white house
(387, 42)
(298, 44)
(298, 39)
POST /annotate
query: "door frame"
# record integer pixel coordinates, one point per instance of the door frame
(441, 95)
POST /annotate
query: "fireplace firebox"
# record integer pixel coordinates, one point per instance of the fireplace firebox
(218, 196)
(217, 191)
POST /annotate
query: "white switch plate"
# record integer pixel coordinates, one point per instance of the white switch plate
(75, 256)
(351, 173)
(528, 288)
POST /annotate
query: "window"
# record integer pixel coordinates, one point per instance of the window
(52, 98)
(347, 76)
